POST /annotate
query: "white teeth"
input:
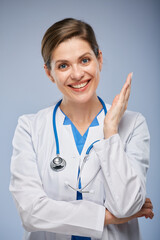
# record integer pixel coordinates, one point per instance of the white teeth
(80, 85)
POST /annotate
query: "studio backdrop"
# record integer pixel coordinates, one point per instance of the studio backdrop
(128, 34)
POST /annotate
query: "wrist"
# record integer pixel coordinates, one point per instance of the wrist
(110, 132)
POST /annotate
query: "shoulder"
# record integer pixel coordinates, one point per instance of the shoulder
(36, 120)
(131, 123)
(40, 114)
(132, 118)
(129, 117)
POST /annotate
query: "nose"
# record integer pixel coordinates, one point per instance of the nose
(77, 73)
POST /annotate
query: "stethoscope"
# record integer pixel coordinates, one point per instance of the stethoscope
(58, 163)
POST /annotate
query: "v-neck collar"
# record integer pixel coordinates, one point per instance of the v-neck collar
(94, 133)
(78, 138)
(94, 123)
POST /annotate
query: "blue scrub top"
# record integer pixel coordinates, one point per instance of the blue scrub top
(80, 141)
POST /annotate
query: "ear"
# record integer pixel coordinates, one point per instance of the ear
(100, 59)
(48, 73)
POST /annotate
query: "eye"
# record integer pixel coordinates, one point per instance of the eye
(63, 66)
(85, 60)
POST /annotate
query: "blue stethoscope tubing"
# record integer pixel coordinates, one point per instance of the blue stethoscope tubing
(55, 128)
(58, 163)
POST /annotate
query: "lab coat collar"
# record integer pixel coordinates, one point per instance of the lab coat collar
(61, 117)
(94, 123)
(94, 132)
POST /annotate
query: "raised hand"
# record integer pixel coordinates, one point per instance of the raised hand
(119, 105)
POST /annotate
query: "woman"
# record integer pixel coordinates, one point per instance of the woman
(108, 182)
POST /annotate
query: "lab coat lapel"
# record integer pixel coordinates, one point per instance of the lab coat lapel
(65, 134)
(92, 164)
(68, 149)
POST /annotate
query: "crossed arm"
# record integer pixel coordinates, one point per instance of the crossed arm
(111, 124)
(146, 211)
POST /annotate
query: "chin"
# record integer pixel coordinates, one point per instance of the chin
(82, 99)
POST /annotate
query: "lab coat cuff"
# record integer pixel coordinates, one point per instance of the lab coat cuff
(100, 221)
(105, 143)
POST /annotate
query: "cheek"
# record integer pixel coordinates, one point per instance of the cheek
(60, 78)
(95, 70)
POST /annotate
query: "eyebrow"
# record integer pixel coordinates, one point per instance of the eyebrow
(64, 60)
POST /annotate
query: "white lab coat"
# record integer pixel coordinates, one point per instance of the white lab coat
(48, 207)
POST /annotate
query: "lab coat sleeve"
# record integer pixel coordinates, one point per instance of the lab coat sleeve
(124, 167)
(38, 212)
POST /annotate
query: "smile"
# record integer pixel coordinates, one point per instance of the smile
(78, 86)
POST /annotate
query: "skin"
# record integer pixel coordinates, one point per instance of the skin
(117, 109)
(73, 63)
(146, 211)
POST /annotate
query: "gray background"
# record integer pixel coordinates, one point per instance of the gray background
(128, 33)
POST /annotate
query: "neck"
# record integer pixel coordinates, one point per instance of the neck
(81, 113)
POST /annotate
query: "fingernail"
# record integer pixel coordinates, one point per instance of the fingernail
(131, 75)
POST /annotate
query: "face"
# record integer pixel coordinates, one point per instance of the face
(76, 70)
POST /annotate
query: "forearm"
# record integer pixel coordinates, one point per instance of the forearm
(40, 213)
(125, 191)
(38, 210)
(146, 211)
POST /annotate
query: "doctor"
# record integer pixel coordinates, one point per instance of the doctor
(60, 192)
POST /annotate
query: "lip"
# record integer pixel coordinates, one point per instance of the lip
(82, 88)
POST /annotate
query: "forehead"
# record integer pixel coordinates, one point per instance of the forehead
(71, 48)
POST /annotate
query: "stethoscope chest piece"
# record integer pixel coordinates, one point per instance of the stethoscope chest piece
(58, 164)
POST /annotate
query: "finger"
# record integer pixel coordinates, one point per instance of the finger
(148, 205)
(148, 213)
(151, 215)
(123, 91)
(148, 200)
(126, 98)
(129, 77)
(127, 94)
(115, 100)
(128, 82)
(126, 86)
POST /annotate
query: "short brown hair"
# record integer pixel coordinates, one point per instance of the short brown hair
(63, 30)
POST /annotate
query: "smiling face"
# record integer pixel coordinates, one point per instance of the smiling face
(76, 70)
